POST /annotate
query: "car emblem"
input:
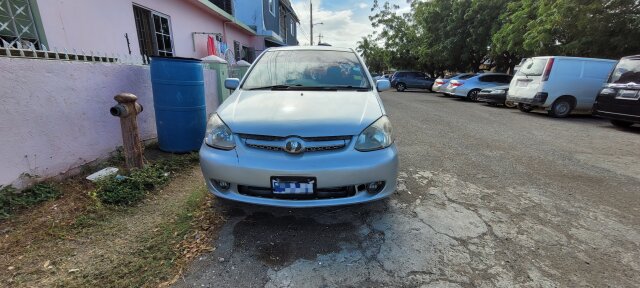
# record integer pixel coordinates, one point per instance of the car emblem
(294, 146)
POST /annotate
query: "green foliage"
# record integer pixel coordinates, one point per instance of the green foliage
(11, 199)
(458, 35)
(134, 187)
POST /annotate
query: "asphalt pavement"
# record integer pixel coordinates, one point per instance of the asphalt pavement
(488, 197)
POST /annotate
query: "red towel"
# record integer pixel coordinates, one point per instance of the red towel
(211, 46)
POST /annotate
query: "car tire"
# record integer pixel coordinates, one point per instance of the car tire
(400, 87)
(473, 95)
(621, 124)
(525, 108)
(509, 104)
(561, 108)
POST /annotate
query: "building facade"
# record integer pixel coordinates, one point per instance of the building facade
(274, 21)
(177, 28)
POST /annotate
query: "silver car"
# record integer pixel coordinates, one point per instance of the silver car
(468, 87)
(440, 84)
(304, 128)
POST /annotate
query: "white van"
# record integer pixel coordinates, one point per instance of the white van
(558, 84)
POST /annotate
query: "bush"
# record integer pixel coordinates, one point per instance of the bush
(11, 199)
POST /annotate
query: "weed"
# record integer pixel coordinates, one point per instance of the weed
(11, 199)
(132, 188)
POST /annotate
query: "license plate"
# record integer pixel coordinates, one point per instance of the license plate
(628, 94)
(285, 185)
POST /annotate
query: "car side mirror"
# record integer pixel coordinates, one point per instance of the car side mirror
(383, 84)
(231, 83)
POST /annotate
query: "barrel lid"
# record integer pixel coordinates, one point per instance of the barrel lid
(213, 59)
(243, 63)
(176, 58)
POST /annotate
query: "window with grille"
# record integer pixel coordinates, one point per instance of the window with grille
(225, 5)
(18, 25)
(154, 32)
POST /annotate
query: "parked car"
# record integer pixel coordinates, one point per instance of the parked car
(290, 138)
(496, 96)
(384, 76)
(441, 83)
(558, 84)
(619, 100)
(468, 87)
(403, 80)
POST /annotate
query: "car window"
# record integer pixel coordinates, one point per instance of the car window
(487, 78)
(627, 71)
(307, 68)
(533, 67)
(420, 75)
(467, 76)
(503, 78)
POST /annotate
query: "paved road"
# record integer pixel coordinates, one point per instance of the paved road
(488, 197)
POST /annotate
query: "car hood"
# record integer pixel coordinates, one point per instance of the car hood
(300, 113)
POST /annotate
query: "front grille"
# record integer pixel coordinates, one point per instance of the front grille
(320, 193)
(312, 144)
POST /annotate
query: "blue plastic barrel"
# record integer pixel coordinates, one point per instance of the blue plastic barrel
(179, 102)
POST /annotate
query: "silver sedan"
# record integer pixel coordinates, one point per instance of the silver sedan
(469, 86)
(304, 128)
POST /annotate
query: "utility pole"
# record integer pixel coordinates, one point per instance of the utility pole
(311, 21)
(319, 38)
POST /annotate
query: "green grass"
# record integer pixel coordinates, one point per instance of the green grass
(12, 200)
(134, 187)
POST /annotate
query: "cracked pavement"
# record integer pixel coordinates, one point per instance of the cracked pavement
(487, 197)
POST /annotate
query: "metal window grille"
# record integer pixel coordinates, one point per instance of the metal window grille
(154, 32)
(17, 24)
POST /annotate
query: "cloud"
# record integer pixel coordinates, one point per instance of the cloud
(363, 5)
(340, 28)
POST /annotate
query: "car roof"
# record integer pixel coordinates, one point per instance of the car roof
(574, 58)
(632, 57)
(308, 48)
(491, 73)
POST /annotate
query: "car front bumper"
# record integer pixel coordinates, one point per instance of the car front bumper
(492, 98)
(251, 167)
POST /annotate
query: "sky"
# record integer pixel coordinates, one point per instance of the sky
(345, 21)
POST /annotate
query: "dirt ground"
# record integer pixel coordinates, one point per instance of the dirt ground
(73, 242)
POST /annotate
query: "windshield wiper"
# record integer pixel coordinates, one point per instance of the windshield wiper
(348, 87)
(275, 87)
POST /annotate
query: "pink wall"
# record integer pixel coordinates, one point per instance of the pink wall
(100, 26)
(55, 114)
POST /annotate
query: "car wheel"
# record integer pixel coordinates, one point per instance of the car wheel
(401, 87)
(621, 124)
(509, 104)
(561, 108)
(473, 95)
(525, 108)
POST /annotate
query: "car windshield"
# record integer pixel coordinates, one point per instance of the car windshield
(533, 67)
(627, 71)
(307, 69)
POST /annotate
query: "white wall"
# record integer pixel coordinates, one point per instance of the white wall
(54, 115)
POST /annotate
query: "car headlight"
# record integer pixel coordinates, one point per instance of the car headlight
(498, 92)
(378, 135)
(218, 134)
(607, 91)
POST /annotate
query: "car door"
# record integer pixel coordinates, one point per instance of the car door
(421, 80)
(485, 81)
